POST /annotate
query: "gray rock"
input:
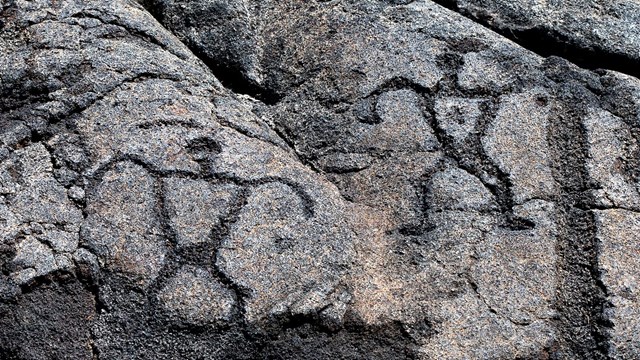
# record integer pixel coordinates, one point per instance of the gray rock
(611, 146)
(515, 271)
(516, 142)
(313, 180)
(37, 196)
(458, 117)
(122, 227)
(403, 126)
(35, 257)
(455, 189)
(291, 262)
(194, 295)
(196, 208)
(605, 31)
(618, 264)
(60, 241)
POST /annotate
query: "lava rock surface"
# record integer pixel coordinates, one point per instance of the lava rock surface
(191, 179)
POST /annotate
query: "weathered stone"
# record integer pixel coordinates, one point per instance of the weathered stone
(122, 226)
(458, 117)
(506, 256)
(455, 189)
(611, 148)
(37, 196)
(516, 141)
(32, 254)
(289, 256)
(485, 72)
(194, 295)
(403, 126)
(606, 30)
(618, 245)
(311, 180)
(196, 208)
(60, 241)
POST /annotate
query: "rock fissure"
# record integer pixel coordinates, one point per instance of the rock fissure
(546, 41)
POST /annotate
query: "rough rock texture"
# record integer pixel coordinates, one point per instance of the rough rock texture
(313, 180)
(592, 33)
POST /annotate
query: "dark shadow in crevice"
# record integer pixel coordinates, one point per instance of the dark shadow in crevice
(548, 42)
(225, 63)
(234, 79)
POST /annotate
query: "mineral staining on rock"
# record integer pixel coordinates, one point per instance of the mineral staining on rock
(309, 180)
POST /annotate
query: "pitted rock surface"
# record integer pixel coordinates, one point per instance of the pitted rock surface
(317, 180)
(593, 33)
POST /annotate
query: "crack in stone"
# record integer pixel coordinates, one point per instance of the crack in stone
(547, 42)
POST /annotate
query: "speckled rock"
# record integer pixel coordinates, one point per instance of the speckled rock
(596, 33)
(618, 241)
(196, 296)
(310, 180)
(124, 231)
